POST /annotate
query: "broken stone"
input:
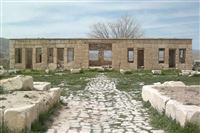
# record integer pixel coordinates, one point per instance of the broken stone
(156, 72)
(122, 71)
(17, 83)
(47, 71)
(20, 118)
(41, 86)
(173, 84)
(75, 70)
(52, 66)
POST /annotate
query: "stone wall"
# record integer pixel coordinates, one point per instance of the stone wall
(119, 52)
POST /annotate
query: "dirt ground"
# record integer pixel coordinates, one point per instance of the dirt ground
(189, 95)
(20, 98)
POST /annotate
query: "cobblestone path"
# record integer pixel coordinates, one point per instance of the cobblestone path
(101, 108)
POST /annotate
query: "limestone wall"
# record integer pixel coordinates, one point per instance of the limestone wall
(119, 52)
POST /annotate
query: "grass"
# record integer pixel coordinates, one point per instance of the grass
(161, 121)
(40, 124)
(132, 82)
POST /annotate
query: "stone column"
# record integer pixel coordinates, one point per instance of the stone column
(65, 58)
(44, 57)
(23, 58)
(34, 57)
(55, 55)
(12, 54)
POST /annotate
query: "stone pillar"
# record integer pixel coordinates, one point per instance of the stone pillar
(23, 58)
(55, 55)
(166, 58)
(12, 53)
(44, 57)
(177, 58)
(65, 58)
(34, 57)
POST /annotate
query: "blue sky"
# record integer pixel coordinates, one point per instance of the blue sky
(164, 18)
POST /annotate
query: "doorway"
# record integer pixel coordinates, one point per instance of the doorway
(28, 58)
(60, 57)
(172, 58)
(100, 54)
(140, 58)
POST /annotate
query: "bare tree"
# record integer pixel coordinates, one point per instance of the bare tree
(125, 27)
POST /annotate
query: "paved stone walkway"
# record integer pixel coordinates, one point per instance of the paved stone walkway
(101, 108)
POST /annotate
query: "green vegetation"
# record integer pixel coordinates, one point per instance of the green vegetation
(161, 121)
(132, 82)
(40, 124)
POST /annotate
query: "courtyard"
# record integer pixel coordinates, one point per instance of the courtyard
(106, 101)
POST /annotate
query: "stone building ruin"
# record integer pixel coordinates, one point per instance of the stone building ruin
(148, 53)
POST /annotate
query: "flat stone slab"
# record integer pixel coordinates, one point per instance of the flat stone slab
(19, 82)
(20, 108)
(41, 86)
(160, 96)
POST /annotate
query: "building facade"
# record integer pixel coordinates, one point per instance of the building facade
(116, 53)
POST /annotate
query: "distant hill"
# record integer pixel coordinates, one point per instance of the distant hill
(4, 47)
(4, 52)
(196, 54)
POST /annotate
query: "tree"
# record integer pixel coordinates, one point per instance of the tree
(125, 27)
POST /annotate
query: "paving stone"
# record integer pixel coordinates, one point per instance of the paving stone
(103, 108)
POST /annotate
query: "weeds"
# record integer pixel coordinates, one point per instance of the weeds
(161, 121)
(40, 124)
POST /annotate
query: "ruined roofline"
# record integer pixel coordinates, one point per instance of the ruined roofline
(99, 39)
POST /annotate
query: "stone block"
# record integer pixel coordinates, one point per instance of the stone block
(75, 71)
(157, 100)
(17, 119)
(41, 86)
(156, 72)
(173, 84)
(183, 113)
(122, 71)
(52, 66)
(1, 116)
(55, 95)
(17, 83)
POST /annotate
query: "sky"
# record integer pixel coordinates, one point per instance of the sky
(73, 19)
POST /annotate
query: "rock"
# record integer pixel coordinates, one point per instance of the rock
(122, 71)
(185, 72)
(13, 71)
(41, 86)
(64, 100)
(183, 113)
(100, 69)
(75, 71)
(1, 115)
(152, 95)
(156, 72)
(194, 73)
(52, 66)
(47, 71)
(17, 83)
(173, 84)
(20, 118)
(55, 95)
(157, 84)
(59, 74)
(2, 71)
(51, 131)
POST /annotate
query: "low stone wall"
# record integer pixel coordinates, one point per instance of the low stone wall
(19, 109)
(172, 108)
(19, 118)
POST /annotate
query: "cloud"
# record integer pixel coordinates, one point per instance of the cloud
(73, 19)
